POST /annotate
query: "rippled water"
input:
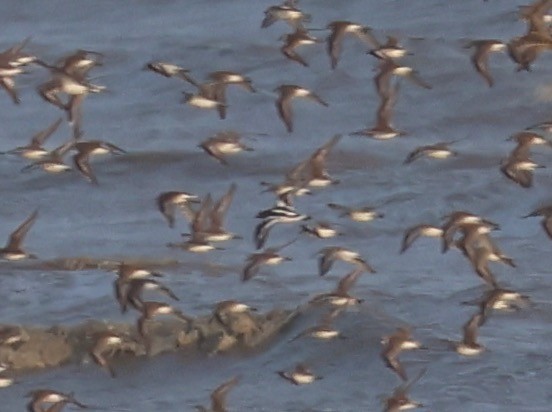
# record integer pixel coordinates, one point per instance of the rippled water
(141, 113)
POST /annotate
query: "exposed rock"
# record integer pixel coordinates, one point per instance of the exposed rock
(55, 346)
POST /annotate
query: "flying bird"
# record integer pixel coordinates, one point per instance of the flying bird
(288, 92)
